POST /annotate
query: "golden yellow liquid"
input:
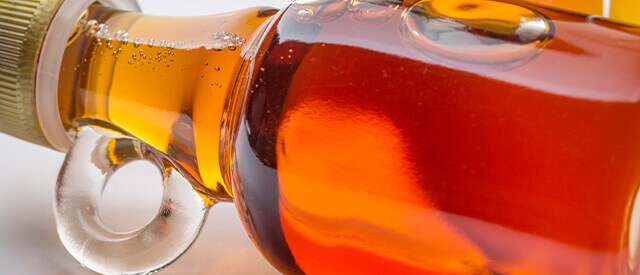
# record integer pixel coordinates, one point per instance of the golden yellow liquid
(627, 11)
(139, 73)
(581, 6)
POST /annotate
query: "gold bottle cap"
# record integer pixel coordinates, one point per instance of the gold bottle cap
(33, 35)
(23, 25)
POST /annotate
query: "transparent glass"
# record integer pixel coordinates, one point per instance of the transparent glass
(435, 136)
(95, 156)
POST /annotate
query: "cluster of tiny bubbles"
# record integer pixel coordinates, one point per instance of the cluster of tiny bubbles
(164, 56)
(123, 36)
(104, 37)
(227, 40)
(89, 28)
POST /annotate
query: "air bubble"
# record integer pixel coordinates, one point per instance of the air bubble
(100, 30)
(318, 11)
(91, 27)
(150, 43)
(125, 39)
(482, 34)
(226, 40)
(216, 68)
(305, 15)
(119, 34)
(136, 42)
(88, 25)
(240, 42)
(217, 47)
(373, 12)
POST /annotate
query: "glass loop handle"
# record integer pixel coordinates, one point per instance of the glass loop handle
(95, 156)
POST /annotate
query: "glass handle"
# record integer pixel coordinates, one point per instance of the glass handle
(95, 156)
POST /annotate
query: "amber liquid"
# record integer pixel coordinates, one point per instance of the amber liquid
(349, 148)
(360, 155)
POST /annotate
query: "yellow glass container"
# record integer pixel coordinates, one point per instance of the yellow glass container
(627, 11)
(581, 6)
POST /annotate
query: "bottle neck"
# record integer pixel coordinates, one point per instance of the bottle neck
(164, 80)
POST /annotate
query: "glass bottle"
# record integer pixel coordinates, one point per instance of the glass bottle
(431, 136)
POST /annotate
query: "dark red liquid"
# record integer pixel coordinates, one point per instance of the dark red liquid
(359, 153)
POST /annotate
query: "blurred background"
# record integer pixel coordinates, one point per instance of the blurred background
(29, 242)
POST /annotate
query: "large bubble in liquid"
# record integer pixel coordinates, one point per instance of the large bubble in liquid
(476, 34)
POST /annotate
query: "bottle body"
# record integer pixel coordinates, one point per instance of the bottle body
(435, 136)
(359, 149)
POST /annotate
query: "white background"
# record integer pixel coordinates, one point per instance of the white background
(28, 240)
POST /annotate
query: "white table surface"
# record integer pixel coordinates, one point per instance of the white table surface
(28, 240)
